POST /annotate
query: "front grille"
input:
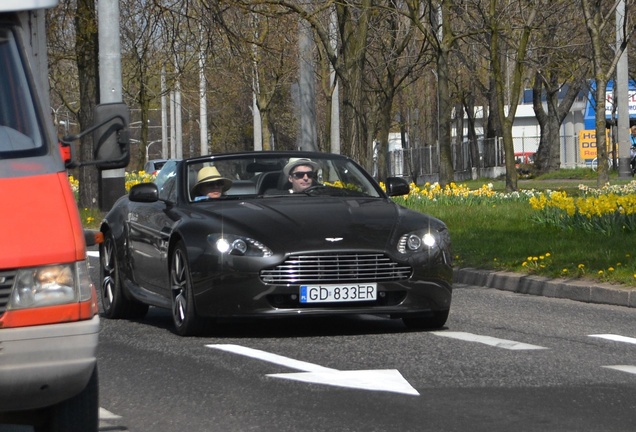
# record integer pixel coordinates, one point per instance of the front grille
(336, 268)
(6, 283)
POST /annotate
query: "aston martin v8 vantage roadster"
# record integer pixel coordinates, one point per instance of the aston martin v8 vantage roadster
(272, 234)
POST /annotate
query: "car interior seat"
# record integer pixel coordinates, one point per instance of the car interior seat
(268, 180)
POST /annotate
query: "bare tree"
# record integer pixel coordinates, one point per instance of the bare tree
(558, 66)
(599, 21)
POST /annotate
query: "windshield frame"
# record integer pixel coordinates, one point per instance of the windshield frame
(337, 176)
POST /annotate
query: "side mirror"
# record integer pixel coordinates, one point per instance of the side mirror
(110, 136)
(144, 192)
(396, 186)
(111, 139)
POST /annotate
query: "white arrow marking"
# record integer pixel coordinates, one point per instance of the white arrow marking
(614, 337)
(623, 368)
(487, 340)
(389, 380)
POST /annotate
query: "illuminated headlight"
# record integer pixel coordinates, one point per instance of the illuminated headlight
(236, 245)
(414, 242)
(50, 286)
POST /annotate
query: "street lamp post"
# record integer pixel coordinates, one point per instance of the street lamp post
(148, 148)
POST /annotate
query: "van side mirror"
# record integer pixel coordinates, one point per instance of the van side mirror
(110, 138)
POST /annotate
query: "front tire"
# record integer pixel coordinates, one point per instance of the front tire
(184, 314)
(115, 303)
(77, 414)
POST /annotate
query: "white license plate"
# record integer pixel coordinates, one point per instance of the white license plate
(338, 293)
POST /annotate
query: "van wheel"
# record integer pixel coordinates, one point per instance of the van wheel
(77, 414)
(115, 302)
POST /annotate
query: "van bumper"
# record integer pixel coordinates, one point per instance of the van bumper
(43, 365)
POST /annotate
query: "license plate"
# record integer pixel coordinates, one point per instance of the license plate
(338, 293)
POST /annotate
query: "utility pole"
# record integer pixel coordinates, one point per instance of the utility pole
(622, 96)
(307, 89)
(112, 183)
(335, 95)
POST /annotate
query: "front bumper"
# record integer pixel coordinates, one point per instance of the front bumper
(44, 365)
(246, 295)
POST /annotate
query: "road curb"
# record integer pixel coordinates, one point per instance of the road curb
(572, 289)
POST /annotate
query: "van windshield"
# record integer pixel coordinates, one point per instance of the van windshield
(19, 132)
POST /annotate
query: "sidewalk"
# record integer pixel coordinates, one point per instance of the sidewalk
(572, 289)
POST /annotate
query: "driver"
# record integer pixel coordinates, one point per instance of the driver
(301, 173)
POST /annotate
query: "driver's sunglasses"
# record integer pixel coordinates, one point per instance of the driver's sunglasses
(214, 184)
(301, 174)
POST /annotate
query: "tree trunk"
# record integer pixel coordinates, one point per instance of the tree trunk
(86, 52)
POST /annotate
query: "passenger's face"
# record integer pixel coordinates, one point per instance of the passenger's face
(213, 189)
(301, 177)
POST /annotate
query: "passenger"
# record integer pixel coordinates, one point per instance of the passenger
(210, 184)
(301, 173)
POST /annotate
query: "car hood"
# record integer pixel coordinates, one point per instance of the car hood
(312, 223)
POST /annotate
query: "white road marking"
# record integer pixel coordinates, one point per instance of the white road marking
(623, 368)
(104, 414)
(94, 254)
(389, 380)
(487, 340)
(617, 338)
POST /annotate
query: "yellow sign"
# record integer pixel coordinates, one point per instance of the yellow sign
(587, 143)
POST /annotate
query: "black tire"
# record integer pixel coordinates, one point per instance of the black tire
(184, 314)
(419, 322)
(115, 303)
(77, 414)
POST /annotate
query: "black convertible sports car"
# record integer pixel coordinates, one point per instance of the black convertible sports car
(268, 234)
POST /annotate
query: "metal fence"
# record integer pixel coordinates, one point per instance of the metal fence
(422, 163)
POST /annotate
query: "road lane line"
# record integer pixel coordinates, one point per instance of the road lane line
(613, 337)
(104, 414)
(623, 368)
(487, 340)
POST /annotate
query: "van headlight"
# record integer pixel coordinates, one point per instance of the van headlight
(50, 285)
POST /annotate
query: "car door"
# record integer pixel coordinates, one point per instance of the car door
(150, 226)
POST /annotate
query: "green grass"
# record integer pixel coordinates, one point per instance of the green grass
(504, 236)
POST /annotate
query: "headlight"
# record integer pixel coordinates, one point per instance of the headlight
(413, 242)
(238, 245)
(50, 286)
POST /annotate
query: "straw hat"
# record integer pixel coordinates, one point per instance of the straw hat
(294, 162)
(211, 174)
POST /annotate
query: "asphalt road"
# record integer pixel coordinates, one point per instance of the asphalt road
(505, 361)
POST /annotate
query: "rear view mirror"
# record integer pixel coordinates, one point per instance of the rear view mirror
(111, 140)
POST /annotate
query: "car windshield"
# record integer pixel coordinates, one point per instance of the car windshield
(264, 176)
(19, 131)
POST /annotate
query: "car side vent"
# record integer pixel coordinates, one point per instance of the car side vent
(335, 268)
(6, 283)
